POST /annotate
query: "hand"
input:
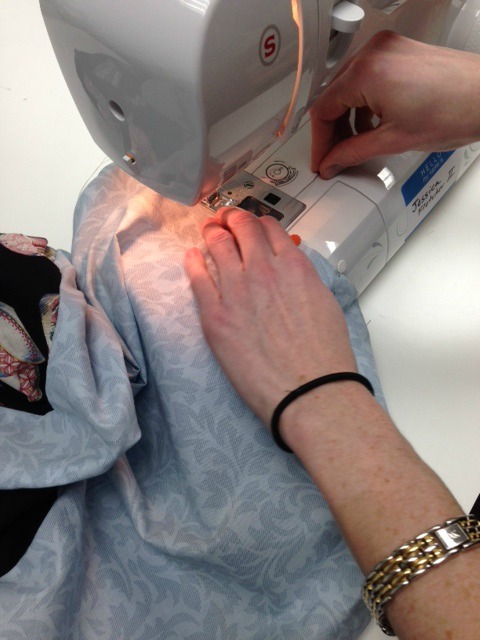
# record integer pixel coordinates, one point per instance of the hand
(273, 325)
(270, 321)
(426, 98)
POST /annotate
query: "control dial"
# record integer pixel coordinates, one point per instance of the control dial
(347, 17)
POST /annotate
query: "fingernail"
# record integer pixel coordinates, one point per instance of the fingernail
(331, 172)
(297, 241)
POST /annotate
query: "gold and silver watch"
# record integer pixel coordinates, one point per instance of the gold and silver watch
(414, 558)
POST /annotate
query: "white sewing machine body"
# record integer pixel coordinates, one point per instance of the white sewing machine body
(188, 96)
(357, 220)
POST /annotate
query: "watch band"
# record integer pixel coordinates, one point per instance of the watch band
(427, 550)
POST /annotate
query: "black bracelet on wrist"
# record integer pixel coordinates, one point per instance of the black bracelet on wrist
(304, 388)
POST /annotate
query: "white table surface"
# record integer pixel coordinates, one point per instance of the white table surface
(423, 310)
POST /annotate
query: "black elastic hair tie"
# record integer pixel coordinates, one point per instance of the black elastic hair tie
(304, 388)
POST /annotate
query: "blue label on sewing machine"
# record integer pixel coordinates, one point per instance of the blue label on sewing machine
(424, 174)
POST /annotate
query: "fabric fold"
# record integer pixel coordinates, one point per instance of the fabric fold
(184, 520)
(93, 419)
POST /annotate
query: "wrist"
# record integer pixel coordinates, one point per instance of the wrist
(324, 418)
(363, 466)
(314, 384)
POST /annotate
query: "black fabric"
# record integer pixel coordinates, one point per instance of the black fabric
(24, 280)
(476, 508)
(22, 512)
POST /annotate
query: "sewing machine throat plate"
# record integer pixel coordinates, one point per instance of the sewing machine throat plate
(252, 194)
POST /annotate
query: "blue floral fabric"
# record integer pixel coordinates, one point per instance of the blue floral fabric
(177, 516)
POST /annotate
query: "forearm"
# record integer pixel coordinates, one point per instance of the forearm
(271, 315)
(382, 495)
(363, 465)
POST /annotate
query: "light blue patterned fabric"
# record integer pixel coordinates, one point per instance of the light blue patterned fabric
(178, 518)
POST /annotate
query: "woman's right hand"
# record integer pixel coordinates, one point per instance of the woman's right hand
(426, 97)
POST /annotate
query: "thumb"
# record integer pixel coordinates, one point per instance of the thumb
(359, 148)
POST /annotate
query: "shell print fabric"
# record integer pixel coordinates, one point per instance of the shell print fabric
(19, 355)
(26, 245)
(28, 280)
(48, 305)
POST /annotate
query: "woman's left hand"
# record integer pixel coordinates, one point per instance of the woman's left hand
(270, 321)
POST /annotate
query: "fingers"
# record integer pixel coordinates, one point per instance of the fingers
(364, 120)
(241, 245)
(324, 130)
(229, 234)
(237, 243)
(358, 149)
(221, 244)
(255, 238)
(248, 232)
(204, 289)
(330, 117)
(357, 86)
(237, 239)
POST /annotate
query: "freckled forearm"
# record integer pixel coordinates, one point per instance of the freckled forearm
(382, 495)
(366, 470)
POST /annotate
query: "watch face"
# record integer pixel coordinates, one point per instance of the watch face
(452, 536)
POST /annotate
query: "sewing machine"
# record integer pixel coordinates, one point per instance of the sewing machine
(207, 100)
(422, 311)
